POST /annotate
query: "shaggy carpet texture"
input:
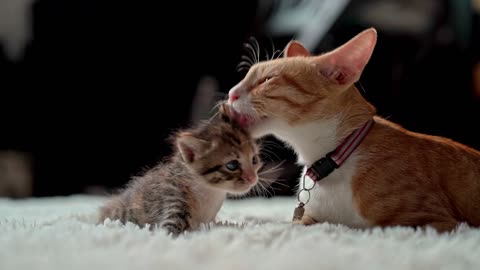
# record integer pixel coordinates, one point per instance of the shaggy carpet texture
(60, 233)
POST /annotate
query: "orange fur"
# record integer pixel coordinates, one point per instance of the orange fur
(401, 177)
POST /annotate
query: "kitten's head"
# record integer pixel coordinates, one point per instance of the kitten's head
(299, 87)
(221, 154)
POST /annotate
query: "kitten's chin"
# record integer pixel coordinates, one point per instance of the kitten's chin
(235, 189)
(241, 190)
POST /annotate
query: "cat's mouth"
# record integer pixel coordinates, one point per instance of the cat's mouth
(243, 119)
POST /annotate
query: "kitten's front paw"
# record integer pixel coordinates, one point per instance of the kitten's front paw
(306, 220)
(172, 229)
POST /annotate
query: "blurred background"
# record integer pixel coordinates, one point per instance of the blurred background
(90, 89)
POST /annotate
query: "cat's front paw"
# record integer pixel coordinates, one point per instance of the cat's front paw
(306, 220)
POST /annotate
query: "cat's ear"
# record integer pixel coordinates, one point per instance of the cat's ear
(191, 147)
(295, 48)
(346, 63)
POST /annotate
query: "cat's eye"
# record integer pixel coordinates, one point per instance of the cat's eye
(264, 80)
(254, 160)
(232, 165)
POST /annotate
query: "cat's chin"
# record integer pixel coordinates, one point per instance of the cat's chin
(244, 120)
(256, 125)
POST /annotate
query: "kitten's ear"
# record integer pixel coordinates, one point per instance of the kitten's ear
(190, 147)
(346, 63)
(295, 48)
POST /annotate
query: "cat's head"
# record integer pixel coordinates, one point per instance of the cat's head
(300, 87)
(221, 154)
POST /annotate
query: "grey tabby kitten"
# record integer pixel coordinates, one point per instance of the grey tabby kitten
(188, 189)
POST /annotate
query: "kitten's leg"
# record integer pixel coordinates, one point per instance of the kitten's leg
(171, 213)
(113, 209)
(306, 220)
(175, 225)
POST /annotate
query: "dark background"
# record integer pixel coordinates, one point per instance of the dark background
(102, 83)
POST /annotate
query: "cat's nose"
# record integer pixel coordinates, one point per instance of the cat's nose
(232, 97)
(235, 92)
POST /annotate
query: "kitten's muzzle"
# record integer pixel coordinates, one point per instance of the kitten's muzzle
(250, 179)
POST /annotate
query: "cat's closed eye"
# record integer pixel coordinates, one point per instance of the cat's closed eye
(264, 80)
(254, 160)
(232, 165)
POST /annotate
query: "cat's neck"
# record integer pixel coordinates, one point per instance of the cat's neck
(313, 140)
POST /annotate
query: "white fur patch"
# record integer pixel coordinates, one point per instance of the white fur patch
(209, 202)
(331, 198)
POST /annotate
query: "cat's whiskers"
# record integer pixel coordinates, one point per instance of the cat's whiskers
(274, 53)
(281, 53)
(247, 60)
(246, 63)
(242, 66)
(257, 48)
(273, 49)
(251, 52)
(267, 56)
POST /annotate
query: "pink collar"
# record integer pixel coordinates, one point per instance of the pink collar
(326, 165)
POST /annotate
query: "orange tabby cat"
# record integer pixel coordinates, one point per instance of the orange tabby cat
(393, 177)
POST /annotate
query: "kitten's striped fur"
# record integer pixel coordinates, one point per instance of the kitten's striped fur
(189, 188)
(394, 177)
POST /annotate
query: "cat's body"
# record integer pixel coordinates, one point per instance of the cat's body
(189, 188)
(394, 177)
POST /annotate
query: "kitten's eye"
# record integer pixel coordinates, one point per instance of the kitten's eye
(254, 160)
(232, 165)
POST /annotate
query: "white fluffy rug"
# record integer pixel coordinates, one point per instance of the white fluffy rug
(59, 233)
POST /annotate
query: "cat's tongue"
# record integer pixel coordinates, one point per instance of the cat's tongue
(242, 119)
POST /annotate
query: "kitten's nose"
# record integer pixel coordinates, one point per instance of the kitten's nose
(251, 179)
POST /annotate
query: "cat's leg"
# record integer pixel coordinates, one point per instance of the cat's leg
(306, 220)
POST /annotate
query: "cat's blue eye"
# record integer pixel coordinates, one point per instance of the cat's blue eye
(232, 165)
(254, 160)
